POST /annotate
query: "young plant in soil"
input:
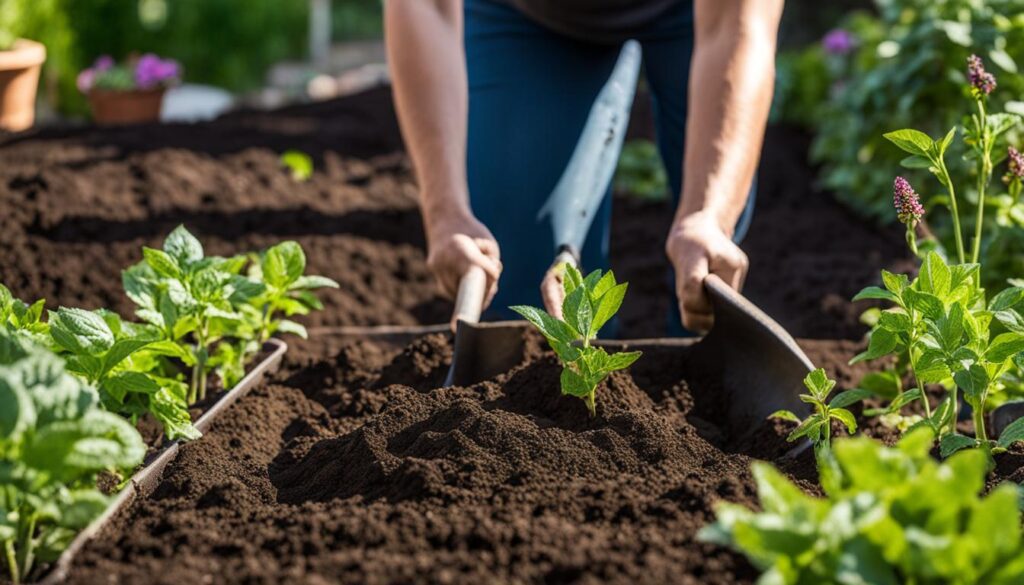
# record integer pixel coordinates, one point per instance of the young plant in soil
(589, 304)
(818, 426)
(54, 440)
(941, 327)
(193, 299)
(890, 515)
(17, 315)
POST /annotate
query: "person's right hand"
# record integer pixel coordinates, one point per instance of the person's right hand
(456, 243)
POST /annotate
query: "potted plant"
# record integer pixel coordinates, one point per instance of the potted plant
(131, 92)
(20, 62)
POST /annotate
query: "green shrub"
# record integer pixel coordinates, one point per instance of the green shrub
(890, 516)
(906, 70)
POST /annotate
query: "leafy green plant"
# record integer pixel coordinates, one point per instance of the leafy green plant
(905, 66)
(890, 516)
(54, 440)
(818, 426)
(941, 328)
(111, 355)
(287, 290)
(192, 299)
(17, 315)
(299, 163)
(589, 304)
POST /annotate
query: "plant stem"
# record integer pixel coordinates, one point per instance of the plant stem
(12, 561)
(954, 405)
(591, 406)
(956, 212)
(912, 239)
(979, 423)
(913, 368)
(983, 176)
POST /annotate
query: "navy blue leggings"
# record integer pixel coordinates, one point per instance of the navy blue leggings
(530, 91)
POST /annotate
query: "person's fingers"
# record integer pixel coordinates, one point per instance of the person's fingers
(731, 266)
(553, 292)
(488, 247)
(694, 305)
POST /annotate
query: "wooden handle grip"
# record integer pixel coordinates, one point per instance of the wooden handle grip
(469, 302)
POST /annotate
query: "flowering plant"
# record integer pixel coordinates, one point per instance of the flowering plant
(146, 72)
(941, 327)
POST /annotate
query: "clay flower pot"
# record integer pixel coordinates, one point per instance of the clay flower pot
(135, 106)
(19, 79)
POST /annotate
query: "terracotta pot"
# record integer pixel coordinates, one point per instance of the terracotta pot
(19, 79)
(126, 107)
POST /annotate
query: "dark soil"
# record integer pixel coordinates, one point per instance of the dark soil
(344, 477)
(354, 466)
(79, 205)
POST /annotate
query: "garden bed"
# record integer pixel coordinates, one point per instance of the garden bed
(353, 465)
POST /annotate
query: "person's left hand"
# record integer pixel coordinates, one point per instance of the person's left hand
(698, 246)
(552, 290)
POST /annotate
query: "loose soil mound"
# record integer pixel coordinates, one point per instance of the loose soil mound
(335, 474)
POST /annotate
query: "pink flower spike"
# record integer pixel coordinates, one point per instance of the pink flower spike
(1016, 164)
(982, 82)
(906, 201)
(85, 80)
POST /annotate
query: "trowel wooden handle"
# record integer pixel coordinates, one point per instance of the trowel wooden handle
(469, 302)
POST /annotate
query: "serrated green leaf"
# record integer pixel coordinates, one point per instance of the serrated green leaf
(881, 343)
(162, 263)
(934, 275)
(287, 326)
(973, 381)
(874, 292)
(846, 417)
(80, 331)
(549, 326)
(573, 384)
(848, 397)
(785, 415)
(1004, 346)
(577, 311)
(608, 305)
(313, 282)
(621, 360)
(911, 141)
(181, 245)
(951, 443)
(819, 384)
(896, 321)
(927, 304)
(1012, 433)
(283, 264)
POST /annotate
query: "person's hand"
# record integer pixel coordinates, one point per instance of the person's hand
(552, 290)
(455, 244)
(697, 246)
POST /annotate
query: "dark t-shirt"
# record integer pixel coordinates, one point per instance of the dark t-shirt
(603, 21)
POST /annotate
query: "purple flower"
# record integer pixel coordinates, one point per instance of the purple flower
(151, 71)
(907, 203)
(1016, 165)
(85, 80)
(982, 82)
(104, 63)
(838, 42)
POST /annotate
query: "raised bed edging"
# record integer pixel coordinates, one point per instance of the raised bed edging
(144, 481)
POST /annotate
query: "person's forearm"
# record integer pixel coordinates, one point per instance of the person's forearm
(425, 52)
(731, 84)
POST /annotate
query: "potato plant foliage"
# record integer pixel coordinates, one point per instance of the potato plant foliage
(589, 304)
(55, 437)
(890, 515)
(65, 379)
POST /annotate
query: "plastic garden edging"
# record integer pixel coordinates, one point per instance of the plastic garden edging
(146, 479)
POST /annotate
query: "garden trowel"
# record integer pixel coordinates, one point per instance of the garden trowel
(485, 349)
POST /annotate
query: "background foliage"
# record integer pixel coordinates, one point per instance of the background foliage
(907, 70)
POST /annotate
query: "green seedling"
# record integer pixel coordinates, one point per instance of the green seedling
(287, 290)
(818, 426)
(17, 315)
(193, 299)
(589, 304)
(299, 163)
(54, 439)
(890, 515)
